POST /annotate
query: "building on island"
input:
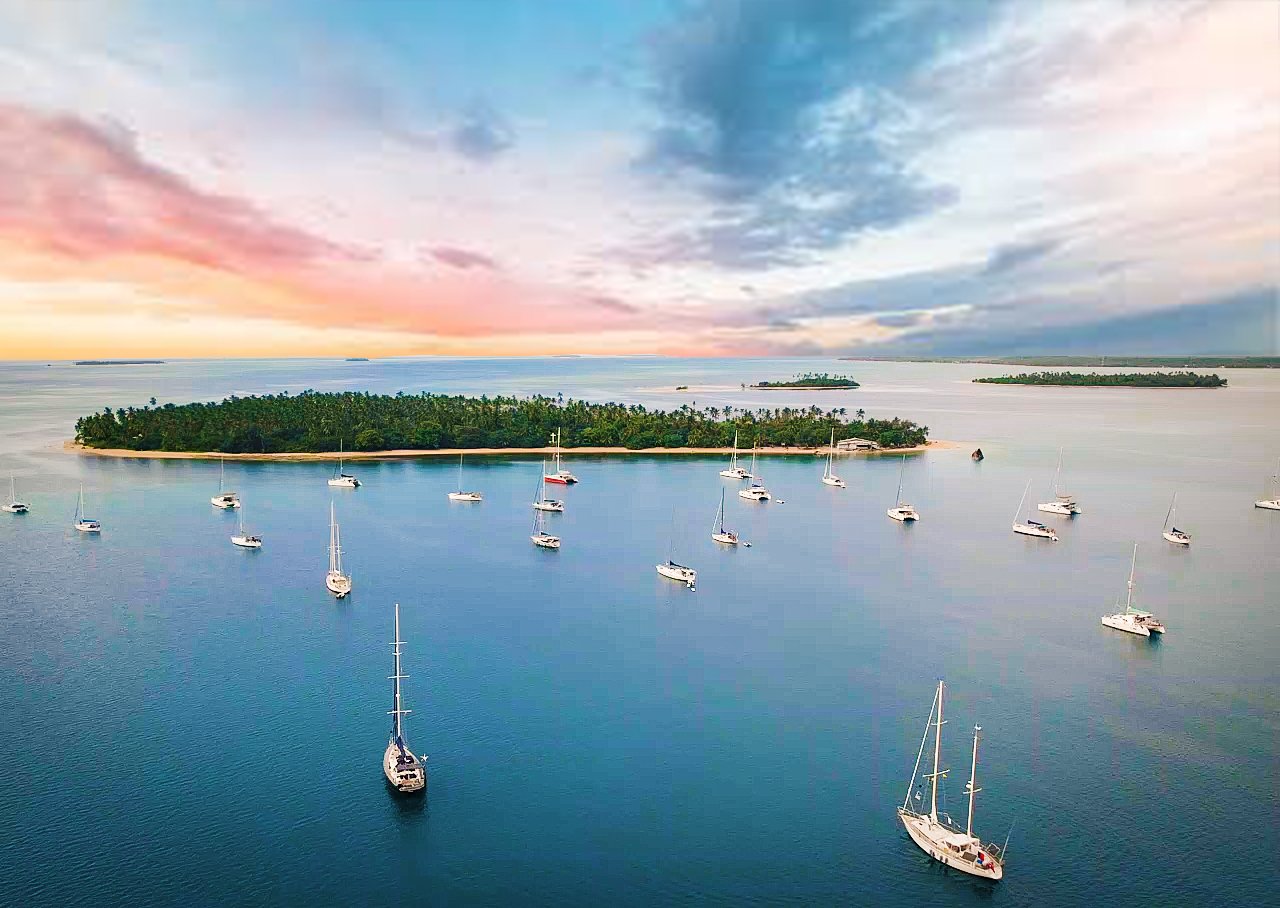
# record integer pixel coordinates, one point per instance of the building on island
(856, 444)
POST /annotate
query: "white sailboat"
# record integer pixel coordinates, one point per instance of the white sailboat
(403, 770)
(338, 583)
(673, 570)
(828, 477)
(1170, 532)
(735, 471)
(461, 495)
(1133, 620)
(14, 506)
(225, 497)
(245, 539)
(1272, 503)
(1031, 527)
(561, 476)
(542, 502)
(340, 479)
(1064, 503)
(540, 536)
(902, 511)
(718, 532)
(943, 840)
(756, 491)
(85, 524)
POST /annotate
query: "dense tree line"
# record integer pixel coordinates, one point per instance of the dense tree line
(811, 380)
(1118, 379)
(311, 421)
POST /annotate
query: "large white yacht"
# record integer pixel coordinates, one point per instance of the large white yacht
(756, 491)
(828, 476)
(460, 495)
(340, 479)
(225, 498)
(540, 536)
(1064, 503)
(561, 476)
(902, 511)
(245, 539)
(403, 770)
(1029, 527)
(85, 524)
(718, 531)
(542, 502)
(337, 582)
(686, 575)
(1170, 531)
(1133, 620)
(735, 471)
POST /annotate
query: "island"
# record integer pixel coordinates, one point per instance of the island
(120, 362)
(357, 359)
(809, 381)
(314, 422)
(1110, 379)
(1128, 362)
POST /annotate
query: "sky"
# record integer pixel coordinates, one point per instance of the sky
(764, 177)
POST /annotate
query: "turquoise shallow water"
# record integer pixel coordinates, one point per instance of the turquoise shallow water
(188, 723)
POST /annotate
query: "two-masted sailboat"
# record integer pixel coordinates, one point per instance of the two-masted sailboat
(403, 770)
(460, 495)
(828, 477)
(340, 479)
(225, 497)
(1170, 531)
(1272, 503)
(1029, 527)
(756, 491)
(542, 502)
(85, 524)
(338, 583)
(718, 531)
(1134, 620)
(1063, 503)
(942, 840)
(735, 471)
(902, 511)
(14, 506)
(561, 476)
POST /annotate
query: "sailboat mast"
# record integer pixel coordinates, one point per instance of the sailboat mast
(898, 500)
(395, 645)
(1018, 512)
(973, 778)
(459, 472)
(830, 450)
(733, 460)
(1133, 565)
(335, 553)
(1057, 473)
(1169, 513)
(222, 472)
(937, 754)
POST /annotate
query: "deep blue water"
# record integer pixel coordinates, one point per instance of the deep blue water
(189, 723)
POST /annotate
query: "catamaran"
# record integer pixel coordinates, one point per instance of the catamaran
(540, 535)
(225, 497)
(85, 524)
(942, 840)
(718, 532)
(338, 583)
(901, 510)
(542, 502)
(735, 471)
(1064, 503)
(14, 506)
(561, 476)
(403, 770)
(1031, 527)
(461, 495)
(1170, 532)
(828, 477)
(1272, 503)
(244, 539)
(1133, 620)
(756, 491)
(341, 479)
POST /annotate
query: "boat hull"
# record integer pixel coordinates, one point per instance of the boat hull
(919, 828)
(1057, 507)
(246, 542)
(339, 585)
(1023, 529)
(687, 576)
(1177, 540)
(1269, 504)
(556, 480)
(465, 496)
(756, 494)
(16, 508)
(410, 781)
(834, 481)
(89, 526)
(735, 473)
(557, 506)
(224, 503)
(1126, 624)
(345, 482)
(905, 515)
(546, 540)
(726, 538)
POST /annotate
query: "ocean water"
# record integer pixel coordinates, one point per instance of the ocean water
(187, 723)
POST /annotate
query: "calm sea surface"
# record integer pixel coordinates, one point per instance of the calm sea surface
(186, 723)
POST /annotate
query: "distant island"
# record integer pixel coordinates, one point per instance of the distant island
(313, 422)
(1110, 379)
(809, 381)
(357, 359)
(120, 362)
(1128, 362)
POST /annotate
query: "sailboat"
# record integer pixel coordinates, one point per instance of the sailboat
(540, 536)
(1171, 532)
(561, 476)
(225, 497)
(734, 471)
(542, 502)
(943, 840)
(14, 506)
(403, 770)
(902, 511)
(338, 583)
(244, 539)
(1031, 527)
(340, 479)
(461, 495)
(1132, 620)
(675, 571)
(1064, 503)
(718, 532)
(756, 491)
(1272, 503)
(828, 477)
(85, 524)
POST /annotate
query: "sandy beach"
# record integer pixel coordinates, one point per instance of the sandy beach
(73, 447)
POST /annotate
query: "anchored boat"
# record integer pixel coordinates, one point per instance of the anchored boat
(403, 770)
(461, 495)
(1064, 503)
(828, 477)
(735, 471)
(902, 511)
(338, 583)
(1170, 532)
(1029, 527)
(1133, 620)
(85, 524)
(225, 498)
(340, 479)
(14, 506)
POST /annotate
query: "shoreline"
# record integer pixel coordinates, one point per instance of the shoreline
(73, 447)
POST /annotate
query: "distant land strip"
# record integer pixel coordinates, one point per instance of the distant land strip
(119, 362)
(1132, 362)
(1109, 380)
